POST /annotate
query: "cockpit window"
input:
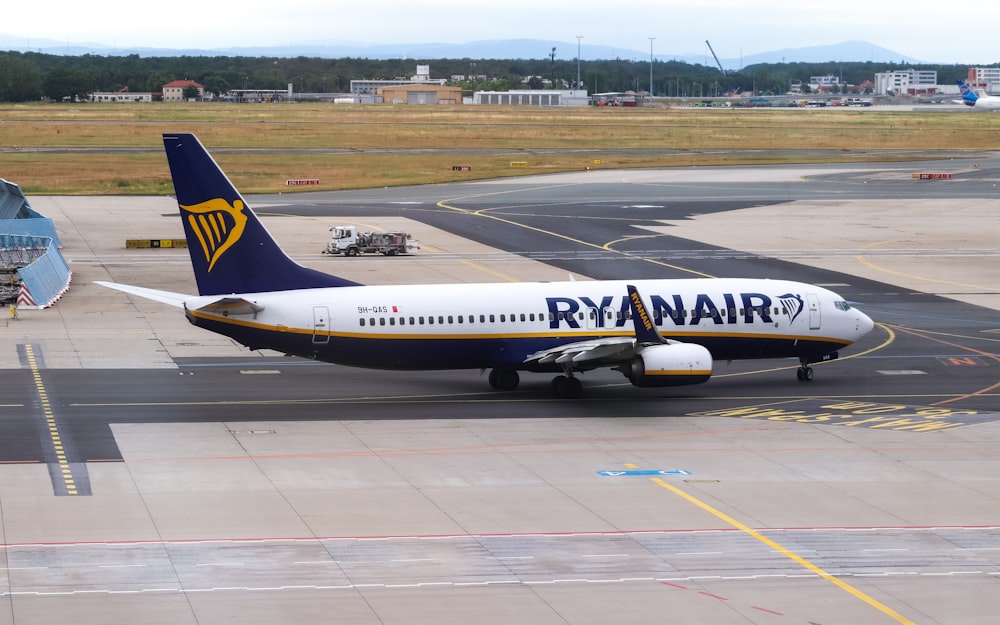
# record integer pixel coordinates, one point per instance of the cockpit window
(842, 305)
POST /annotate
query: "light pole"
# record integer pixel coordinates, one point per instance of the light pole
(578, 38)
(651, 69)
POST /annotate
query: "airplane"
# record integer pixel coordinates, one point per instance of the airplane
(658, 333)
(971, 98)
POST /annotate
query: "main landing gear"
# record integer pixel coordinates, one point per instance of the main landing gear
(563, 386)
(566, 386)
(504, 379)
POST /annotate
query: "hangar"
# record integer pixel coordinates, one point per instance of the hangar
(420, 94)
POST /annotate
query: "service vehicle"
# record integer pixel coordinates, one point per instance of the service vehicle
(348, 241)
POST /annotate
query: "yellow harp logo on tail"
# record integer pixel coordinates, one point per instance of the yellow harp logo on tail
(218, 226)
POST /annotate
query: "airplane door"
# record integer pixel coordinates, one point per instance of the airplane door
(609, 317)
(604, 318)
(814, 312)
(321, 325)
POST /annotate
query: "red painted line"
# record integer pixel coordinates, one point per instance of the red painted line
(766, 610)
(674, 585)
(708, 594)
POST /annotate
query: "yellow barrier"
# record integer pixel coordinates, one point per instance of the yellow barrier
(154, 243)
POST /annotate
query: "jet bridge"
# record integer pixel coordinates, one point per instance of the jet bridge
(33, 272)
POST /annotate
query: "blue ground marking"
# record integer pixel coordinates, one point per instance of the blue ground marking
(646, 473)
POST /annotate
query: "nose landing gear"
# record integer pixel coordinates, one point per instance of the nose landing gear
(804, 373)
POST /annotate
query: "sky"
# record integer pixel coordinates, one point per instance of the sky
(934, 32)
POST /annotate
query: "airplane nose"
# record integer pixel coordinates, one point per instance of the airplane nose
(864, 324)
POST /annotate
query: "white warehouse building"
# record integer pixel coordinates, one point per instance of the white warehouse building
(906, 82)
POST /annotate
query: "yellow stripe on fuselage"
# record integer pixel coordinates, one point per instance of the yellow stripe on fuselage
(579, 333)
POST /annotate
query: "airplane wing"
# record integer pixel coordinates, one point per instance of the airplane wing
(164, 297)
(612, 349)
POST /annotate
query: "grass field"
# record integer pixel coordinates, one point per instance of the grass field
(70, 148)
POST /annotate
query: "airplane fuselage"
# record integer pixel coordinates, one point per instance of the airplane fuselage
(987, 103)
(499, 325)
(657, 333)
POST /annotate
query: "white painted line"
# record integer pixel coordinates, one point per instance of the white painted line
(605, 555)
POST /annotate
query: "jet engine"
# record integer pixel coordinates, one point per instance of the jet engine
(673, 364)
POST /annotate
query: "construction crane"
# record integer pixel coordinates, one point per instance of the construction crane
(715, 57)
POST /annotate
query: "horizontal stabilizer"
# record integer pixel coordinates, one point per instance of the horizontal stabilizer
(232, 306)
(164, 297)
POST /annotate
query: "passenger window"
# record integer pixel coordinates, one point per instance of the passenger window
(362, 320)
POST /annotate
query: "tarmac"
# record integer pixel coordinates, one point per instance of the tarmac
(272, 493)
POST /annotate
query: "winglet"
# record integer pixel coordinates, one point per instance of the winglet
(645, 328)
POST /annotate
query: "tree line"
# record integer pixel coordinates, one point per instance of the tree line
(29, 76)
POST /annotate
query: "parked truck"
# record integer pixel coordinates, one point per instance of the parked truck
(348, 241)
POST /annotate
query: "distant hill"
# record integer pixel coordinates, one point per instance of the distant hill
(847, 52)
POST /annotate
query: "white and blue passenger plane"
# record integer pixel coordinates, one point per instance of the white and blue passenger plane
(655, 332)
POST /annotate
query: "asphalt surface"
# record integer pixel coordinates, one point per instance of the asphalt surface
(214, 486)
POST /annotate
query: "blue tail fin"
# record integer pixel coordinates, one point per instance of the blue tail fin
(230, 249)
(968, 95)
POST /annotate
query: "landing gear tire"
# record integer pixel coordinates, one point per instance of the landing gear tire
(504, 379)
(566, 387)
(804, 373)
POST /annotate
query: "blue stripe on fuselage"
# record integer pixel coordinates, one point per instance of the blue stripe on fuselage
(455, 352)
